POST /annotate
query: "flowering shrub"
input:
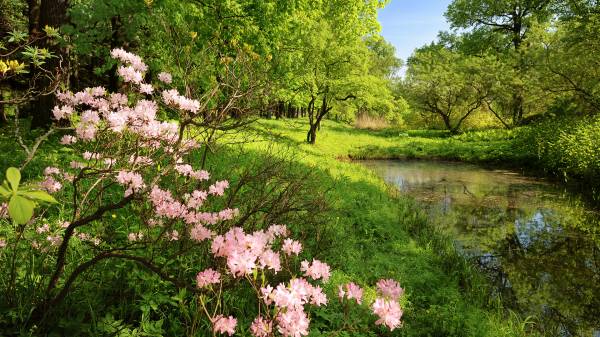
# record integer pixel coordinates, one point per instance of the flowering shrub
(129, 160)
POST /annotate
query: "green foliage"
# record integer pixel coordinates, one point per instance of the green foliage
(21, 200)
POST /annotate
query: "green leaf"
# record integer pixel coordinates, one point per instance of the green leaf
(20, 209)
(4, 191)
(13, 176)
(38, 195)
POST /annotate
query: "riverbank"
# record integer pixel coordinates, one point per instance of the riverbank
(564, 151)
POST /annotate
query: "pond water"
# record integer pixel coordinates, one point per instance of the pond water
(539, 245)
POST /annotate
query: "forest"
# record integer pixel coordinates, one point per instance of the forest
(274, 168)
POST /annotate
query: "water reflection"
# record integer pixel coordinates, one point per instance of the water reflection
(538, 244)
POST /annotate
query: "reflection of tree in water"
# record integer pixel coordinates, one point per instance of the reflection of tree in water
(541, 246)
(558, 277)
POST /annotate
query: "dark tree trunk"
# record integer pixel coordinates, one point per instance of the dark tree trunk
(53, 13)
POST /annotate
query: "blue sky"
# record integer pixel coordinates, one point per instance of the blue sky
(409, 24)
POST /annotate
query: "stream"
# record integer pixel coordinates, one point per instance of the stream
(538, 244)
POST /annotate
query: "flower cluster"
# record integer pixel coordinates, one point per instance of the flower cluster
(386, 306)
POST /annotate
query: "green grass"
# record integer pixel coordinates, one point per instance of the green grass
(367, 231)
(377, 233)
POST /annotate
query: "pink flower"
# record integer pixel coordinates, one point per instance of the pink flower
(351, 291)
(68, 140)
(200, 175)
(261, 327)
(218, 188)
(241, 263)
(43, 229)
(129, 58)
(317, 297)
(201, 233)
(146, 88)
(270, 259)
(129, 74)
(291, 247)
(389, 289)
(275, 231)
(174, 235)
(207, 277)
(165, 77)
(293, 323)
(90, 117)
(135, 237)
(86, 131)
(223, 324)
(132, 180)
(389, 313)
(197, 199)
(62, 112)
(51, 185)
(54, 240)
(2, 243)
(315, 271)
(51, 170)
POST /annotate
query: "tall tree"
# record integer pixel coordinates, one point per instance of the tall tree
(512, 20)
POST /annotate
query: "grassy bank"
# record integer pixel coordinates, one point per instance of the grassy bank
(562, 149)
(365, 230)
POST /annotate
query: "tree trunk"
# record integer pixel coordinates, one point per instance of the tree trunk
(53, 13)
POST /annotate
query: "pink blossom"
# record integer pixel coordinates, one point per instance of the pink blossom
(173, 235)
(43, 229)
(200, 175)
(317, 297)
(97, 91)
(241, 262)
(2, 243)
(51, 170)
(227, 214)
(87, 155)
(62, 112)
(54, 240)
(389, 313)
(129, 58)
(118, 100)
(293, 323)
(165, 205)
(129, 74)
(146, 88)
(197, 199)
(390, 289)
(201, 233)
(351, 291)
(135, 236)
(223, 324)
(261, 327)
(86, 131)
(133, 181)
(165, 77)
(67, 140)
(207, 277)
(291, 247)
(218, 188)
(90, 117)
(275, 231)
(316, 270)
(65, 224)
(110, 162)
(51, 185)
(270, 259)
